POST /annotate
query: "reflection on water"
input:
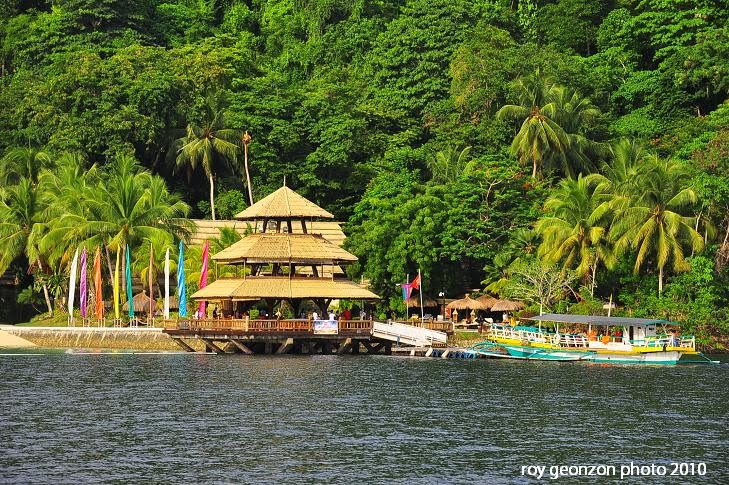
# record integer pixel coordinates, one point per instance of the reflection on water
(200, 418)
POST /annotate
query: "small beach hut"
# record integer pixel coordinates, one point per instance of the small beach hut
(466, 303)
(141, 303)
(414, 301)
(487, 300)
(507, 306)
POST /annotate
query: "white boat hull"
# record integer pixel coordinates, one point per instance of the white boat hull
(657, 358)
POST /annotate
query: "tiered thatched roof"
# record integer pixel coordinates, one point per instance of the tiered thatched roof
(284, 204)
(284, 248)
(206, 230)
(282, 287)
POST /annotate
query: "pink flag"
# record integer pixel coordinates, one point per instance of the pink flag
(82, 284)
(203, 278)
(406, 291)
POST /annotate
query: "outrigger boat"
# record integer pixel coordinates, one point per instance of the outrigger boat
(636, 341)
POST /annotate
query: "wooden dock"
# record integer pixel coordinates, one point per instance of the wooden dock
(278, 336)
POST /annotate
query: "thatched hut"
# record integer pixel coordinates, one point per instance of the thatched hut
(414, 301)
(466, 303)
(141, 303)
(507, 306)
(487, 300)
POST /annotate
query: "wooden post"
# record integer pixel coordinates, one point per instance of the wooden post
(286, 346)
(241, 346)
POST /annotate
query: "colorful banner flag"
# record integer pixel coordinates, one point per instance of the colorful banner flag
(181, 285)
(82, 285)
(99, 307)
(128, 277)
(149, 279)
(116, 284)
(406, 291)
(72, 284)
(166, 309)
(416, 282)
(203, 278)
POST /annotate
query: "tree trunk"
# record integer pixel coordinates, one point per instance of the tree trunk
(248, 174)
(534, 169)
(45, 291)
(660, 281)
(109, 266)
(594, 275)
(212, 201)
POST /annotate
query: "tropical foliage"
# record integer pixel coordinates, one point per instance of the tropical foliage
(463, 137)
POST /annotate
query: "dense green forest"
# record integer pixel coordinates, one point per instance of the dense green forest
(483, 142)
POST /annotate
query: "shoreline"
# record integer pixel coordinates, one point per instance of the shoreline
(140, 339)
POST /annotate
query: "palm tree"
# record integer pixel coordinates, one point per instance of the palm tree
(447, 165)
(626, 159)
(539, 136)
(574, 114)
(575, 231)
(651, 220)
(18, 163)
(206, 145)
(22, 220)
(124, 206)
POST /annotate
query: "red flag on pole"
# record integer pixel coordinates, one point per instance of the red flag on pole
(415, 285)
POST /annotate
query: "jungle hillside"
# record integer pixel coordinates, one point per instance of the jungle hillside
(563, 153)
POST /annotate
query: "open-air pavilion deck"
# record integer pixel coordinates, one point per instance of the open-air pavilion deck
(281, 336)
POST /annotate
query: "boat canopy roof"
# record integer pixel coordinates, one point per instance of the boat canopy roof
(597, 320)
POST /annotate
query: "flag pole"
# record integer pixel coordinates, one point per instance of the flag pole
(422, 310)
(407, 306)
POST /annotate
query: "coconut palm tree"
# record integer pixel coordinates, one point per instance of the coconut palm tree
(626, 157)
(539, 136)
(207, 145)
(18, 163)
(575, 231)
(447, 165)
(22, 223)
(124, 206)
(574, 114)
(651, 220)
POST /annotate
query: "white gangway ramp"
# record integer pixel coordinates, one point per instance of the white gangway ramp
(408, 334)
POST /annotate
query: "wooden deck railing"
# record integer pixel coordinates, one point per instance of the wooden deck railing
(265, 326)
(437, 325)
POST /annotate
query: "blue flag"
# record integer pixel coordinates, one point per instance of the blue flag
(181, 286)
(128, 276)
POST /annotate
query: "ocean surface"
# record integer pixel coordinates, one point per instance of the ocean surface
(194, 418)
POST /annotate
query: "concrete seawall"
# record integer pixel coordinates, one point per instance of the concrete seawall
(148, 339)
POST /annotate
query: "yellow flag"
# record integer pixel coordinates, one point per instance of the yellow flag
(116, 286)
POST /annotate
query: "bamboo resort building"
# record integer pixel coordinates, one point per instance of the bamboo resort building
(283, 262)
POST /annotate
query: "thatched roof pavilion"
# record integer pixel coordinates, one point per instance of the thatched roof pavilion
(277, 259)
(507, 306)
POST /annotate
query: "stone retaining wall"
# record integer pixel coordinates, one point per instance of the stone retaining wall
(143, 339)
